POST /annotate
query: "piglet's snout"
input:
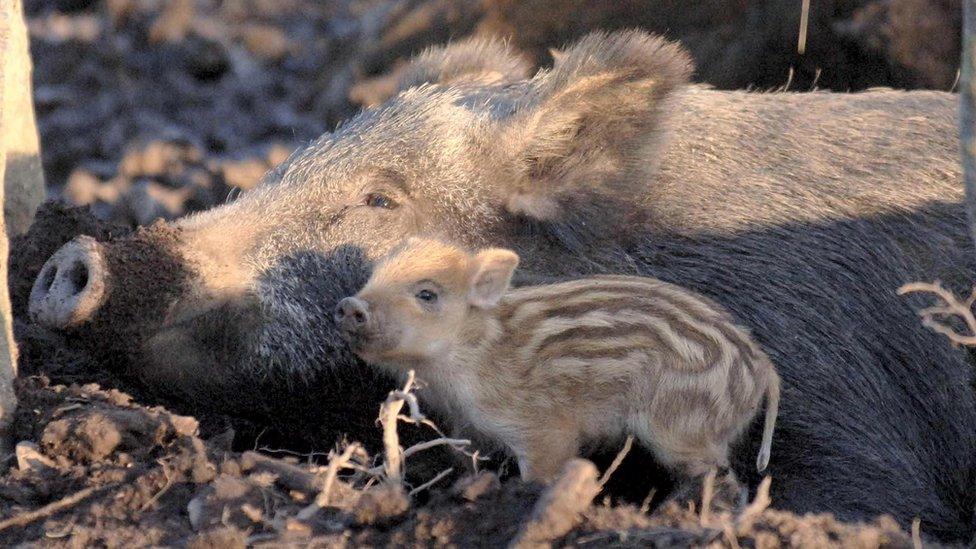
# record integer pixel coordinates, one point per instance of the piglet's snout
(352, 315)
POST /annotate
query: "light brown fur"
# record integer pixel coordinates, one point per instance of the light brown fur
(544, 369)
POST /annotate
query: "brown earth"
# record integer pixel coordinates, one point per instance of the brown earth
(97, 468)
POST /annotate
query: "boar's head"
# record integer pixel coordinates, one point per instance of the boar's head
(235, 304)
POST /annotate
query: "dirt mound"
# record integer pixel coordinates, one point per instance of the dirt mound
(96, 468)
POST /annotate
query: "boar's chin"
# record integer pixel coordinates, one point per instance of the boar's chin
(200, 355)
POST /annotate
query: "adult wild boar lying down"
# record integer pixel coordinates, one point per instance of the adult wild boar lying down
(801, 213)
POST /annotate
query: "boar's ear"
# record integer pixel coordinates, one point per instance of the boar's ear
(589, 129)
(493, 269)
(475, 61)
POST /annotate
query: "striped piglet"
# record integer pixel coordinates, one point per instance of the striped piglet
(543, 369)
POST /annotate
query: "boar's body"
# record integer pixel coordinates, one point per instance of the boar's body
(801, 213)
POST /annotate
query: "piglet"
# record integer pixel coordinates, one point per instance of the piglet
(545, 369)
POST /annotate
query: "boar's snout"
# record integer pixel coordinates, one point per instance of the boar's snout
(71, 286)
(351, 315)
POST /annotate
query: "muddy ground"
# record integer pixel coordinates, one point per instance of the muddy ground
(97, 468)
(152, 109)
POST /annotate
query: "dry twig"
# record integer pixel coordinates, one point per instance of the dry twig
(389, 414)
(617, 460)
(163, 490)
(708, 492)
(431, 482)
(336, 462)
(933, 317)
(394, 454)
(745, 521)
(52, 508)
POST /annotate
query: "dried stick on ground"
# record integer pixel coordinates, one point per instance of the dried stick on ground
(617, 460)
(745, 521)
(935, 317)
(394, 454)
(708, 492)
(52, 508)
(389, 414)
(336, 463)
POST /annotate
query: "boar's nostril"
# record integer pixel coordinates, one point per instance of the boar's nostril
(72, 285)
(78, 277)
(47, 278)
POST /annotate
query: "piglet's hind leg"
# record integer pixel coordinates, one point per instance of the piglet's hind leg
(541, 455)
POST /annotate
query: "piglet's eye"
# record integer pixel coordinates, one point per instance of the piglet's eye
(427, 296)
(377, 200)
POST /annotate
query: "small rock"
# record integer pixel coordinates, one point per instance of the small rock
(207, 60)
(194, 509)
(219, 538)
(149, 201)
(243, 174)
(265, 41)
(84, 188)
(184, 425)
(380, 504)
(278, 153)
(173, 23)
(473, 487)
(29, 457)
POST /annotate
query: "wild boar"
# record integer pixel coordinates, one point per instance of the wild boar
(546, 368)
(799, 213)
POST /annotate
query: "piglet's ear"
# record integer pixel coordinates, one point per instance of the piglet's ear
(493, 269)
(590, 129)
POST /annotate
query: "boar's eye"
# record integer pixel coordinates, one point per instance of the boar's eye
(377, 200)
(427, 296)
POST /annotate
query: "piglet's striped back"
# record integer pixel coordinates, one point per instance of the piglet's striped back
(613, 316)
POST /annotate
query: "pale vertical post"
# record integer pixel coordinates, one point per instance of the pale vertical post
(23, 178)
(8, 349)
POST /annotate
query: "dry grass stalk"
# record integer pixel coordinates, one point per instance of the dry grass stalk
(437, 478)
(801, 41)
(51, 509)
(934, 318)
(747, 519)
(394, 454)
(708, 492)
(617, 460)
(389, 415)
(336, 463)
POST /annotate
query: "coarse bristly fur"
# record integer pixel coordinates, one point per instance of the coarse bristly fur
(545, 369)
(800, 213)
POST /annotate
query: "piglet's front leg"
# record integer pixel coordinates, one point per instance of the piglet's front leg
(542, 454)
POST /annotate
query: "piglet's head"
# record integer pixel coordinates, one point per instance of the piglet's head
(421, 299)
